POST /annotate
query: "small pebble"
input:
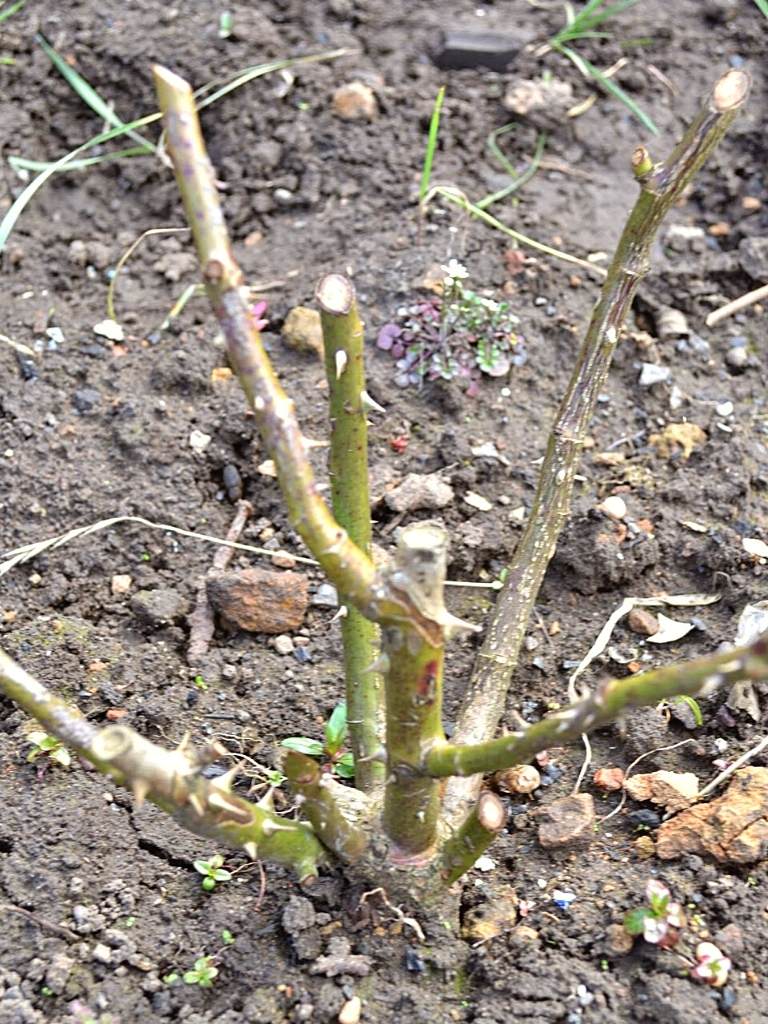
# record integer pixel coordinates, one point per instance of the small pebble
(326, 596)
(283, 644)
(102, 953)
(609, 779)
(651, 374)
(613, 506)
(121, 584)
(737, 359)
(413, 961)
(355, 102)
(351, 1010)
(641, 621)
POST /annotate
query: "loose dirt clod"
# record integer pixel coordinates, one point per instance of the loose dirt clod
(672, 790)
(355, 102)
(302, 331)
(732, 829)
(419, 491)
(258, 600)
(567, 823)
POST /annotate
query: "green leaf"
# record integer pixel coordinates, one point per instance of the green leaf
(336, 728)
(202, 866)
(693, 705)
(62, 756)
(345, 766)
(634, 920)
(762, 5)
(221, 875)
(191, 977)
(303, 745)
(227, 937)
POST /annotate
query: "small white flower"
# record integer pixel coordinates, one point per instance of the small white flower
(455, 271)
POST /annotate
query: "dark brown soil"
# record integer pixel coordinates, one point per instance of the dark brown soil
(101, 430)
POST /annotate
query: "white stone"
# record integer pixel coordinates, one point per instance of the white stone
(651, 373)
(110, 329)
(283, 644)
(198, 441)
(613, 506)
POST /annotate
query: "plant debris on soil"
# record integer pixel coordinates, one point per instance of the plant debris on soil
(103, 914)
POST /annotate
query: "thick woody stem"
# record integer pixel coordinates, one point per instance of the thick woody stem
(349, 568)
(345, 370)
(694, 678)
(171, 779)
(328, 806)
(481, 827)
(413, 681)
(661, 186)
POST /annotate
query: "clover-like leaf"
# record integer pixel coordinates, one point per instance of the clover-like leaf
(634, 920)
(303, 745)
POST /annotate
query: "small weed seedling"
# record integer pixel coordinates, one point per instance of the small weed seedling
(212, 872)
(49, 747)
(202, 974)
(660, 921)
(337, 760)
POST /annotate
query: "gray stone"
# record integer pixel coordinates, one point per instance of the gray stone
(753, 258)
(159, 607)
(102, 953)
(326, 596)
(86, 400)
(58, 972)
(419, 491)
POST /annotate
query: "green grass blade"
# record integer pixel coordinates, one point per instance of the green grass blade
(453, 195)
(256, 71)
(10, 11)
(762, 5)
(429, 153)
(518, 180)
(21, 163)
(589, 18)
(12, 215)
(87, 93)
(610, 86)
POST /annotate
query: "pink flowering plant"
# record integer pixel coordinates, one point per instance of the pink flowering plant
(712, 967)
(660, 921)
(457, 334)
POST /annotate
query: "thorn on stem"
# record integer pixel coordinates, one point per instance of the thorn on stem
(370, 403)
(341, 363)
